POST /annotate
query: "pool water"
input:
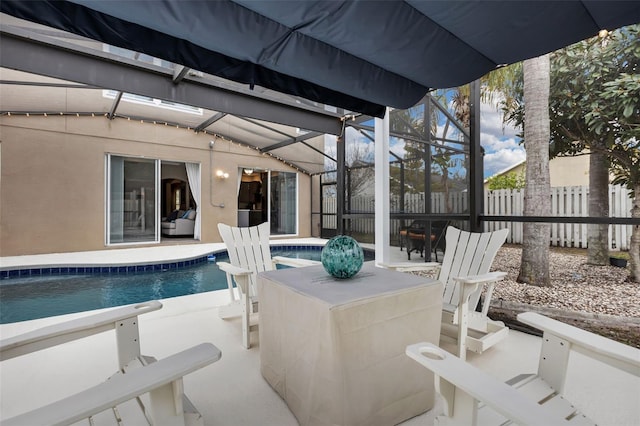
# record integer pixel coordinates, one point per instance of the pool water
(29, 298)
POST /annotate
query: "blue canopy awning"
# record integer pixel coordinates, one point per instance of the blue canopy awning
(357, 55)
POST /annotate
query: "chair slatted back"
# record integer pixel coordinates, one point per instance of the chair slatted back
(468, 253)
(248, 248)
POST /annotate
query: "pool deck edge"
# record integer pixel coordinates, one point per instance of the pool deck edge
(129, 256)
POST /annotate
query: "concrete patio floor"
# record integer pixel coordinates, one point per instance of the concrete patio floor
(232, 391)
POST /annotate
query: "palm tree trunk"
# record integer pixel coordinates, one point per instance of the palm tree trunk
(534, 268)
(597, 234)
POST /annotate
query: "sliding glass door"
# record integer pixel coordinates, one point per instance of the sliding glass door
(132, 200)
(283, 203)
(268, 196)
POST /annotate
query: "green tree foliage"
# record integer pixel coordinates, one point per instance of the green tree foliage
(595, 105)
(620, 108)
(494, 87)
(595, 93)
(596, 87)
(511, 180)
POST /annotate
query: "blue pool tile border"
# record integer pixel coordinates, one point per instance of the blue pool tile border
(136, 269)
(102, 270)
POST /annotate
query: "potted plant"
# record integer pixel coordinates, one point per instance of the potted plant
(618, 259)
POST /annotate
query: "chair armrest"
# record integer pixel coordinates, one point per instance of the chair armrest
(482, 279)
(119, 388)
(412, 266)
(472, 282)
(616, 354)
(462, 380)
(240, 276)
(294, 262)
(233, 270)
(71, 330)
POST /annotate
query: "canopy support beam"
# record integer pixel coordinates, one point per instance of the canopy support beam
(382, 227)
(476, 170)
(26, 52)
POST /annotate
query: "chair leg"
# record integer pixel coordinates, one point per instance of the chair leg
(415, 245)
(246, 325)
(435, 252)
(411, 246)
(403, 242)
(463, 318)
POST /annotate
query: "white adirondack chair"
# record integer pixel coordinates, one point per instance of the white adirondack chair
(144, 391)
(464, 272)
(249, 254)
(473, 397)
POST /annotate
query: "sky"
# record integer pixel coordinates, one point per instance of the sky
(502, 148)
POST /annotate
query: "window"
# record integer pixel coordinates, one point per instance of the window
(146, 100)
(141, 57)
(132, 200)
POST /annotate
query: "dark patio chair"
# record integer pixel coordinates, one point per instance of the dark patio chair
(414, 236)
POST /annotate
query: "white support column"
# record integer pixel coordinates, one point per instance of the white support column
(382, 188)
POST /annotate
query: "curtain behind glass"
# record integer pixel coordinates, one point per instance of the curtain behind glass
(193, 174)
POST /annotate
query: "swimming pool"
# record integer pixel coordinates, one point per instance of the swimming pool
(30, 297)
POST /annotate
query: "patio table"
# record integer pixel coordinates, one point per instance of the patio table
(334, 350)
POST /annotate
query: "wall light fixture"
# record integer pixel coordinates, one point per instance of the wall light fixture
(222, 175)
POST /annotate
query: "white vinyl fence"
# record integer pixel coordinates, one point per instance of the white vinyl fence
(565, 201)
(413, 203)
(570, 201)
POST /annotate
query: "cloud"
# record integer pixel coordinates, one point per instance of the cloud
(397, 146)
(500, 160)
(491, 121)
(359, 148)
(502, 146)
(453, 133)
(491, 143)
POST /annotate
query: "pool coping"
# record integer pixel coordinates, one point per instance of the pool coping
(131, 266)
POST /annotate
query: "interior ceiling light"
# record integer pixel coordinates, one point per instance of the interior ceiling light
(248, 171)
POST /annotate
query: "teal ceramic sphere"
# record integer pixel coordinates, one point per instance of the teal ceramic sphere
(342, 257)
